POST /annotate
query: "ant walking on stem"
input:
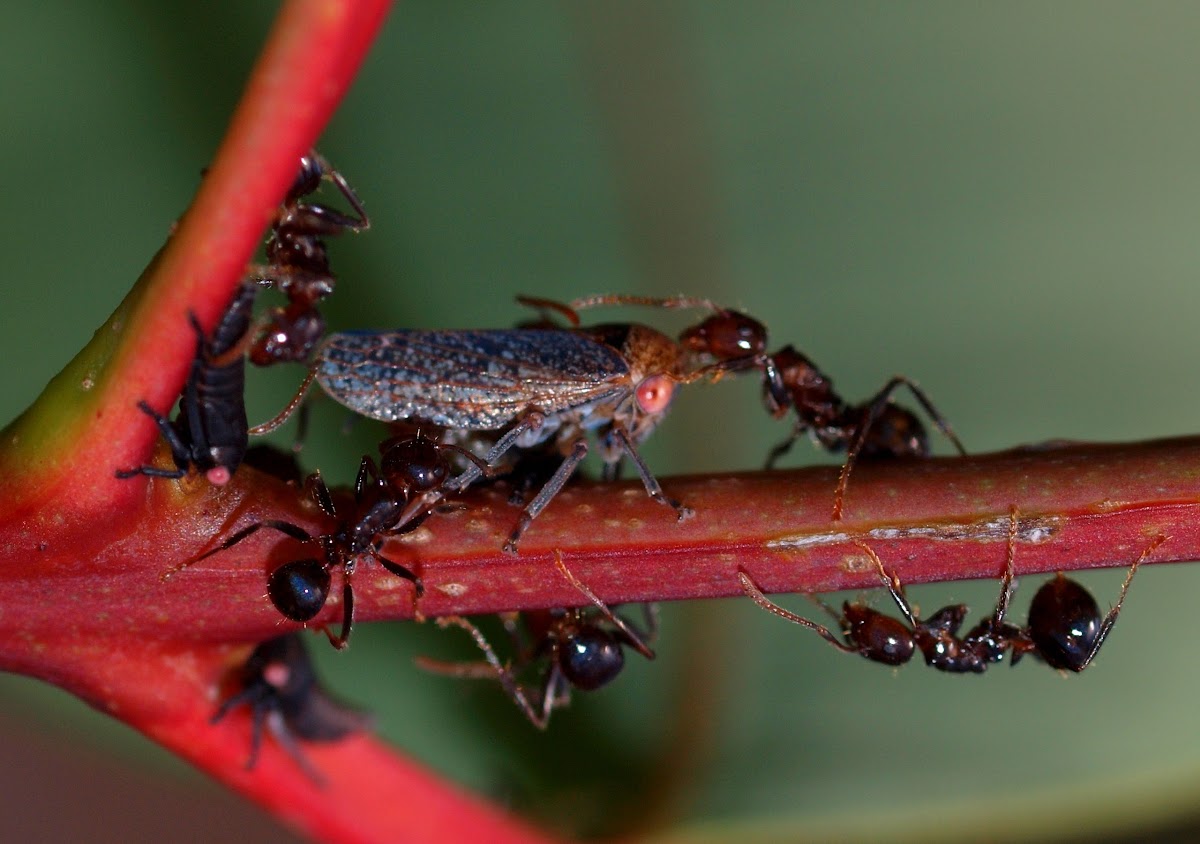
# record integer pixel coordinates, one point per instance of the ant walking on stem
(732, 341)
(876, 428)
(580, 648)
(1065, 628)
(409, 467)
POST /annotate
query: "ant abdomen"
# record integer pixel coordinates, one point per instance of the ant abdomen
(592, 658)
(1065, 623)
(299, 589)
(878, 637)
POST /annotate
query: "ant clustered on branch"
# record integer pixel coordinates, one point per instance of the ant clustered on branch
(1065, 628)
(526, 404)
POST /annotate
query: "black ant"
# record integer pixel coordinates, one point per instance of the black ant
(277, 682)
(1065, 628)
(298, 263)
(408, 467)
(580, 648)
(210, 430)
(876, 428)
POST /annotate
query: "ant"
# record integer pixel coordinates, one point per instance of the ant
(877, 428)
(210, 431)
(580, 648)
(298, 263)
(409, 466)
(1065, 628)
(277, 682)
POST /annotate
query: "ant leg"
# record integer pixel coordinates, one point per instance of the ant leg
(755, 594)
(1006, 581)
(556, 690)
(502, 673)
(650, 617)
(939, 421)
(648, 480)
(402, 571)
(367, 470)
(873, 408)
(553, 486)
(780, 450)
(364, 222)
(287, 528)
(285, 414)
(343, 638)
(1111, 618)
(315, 486)
(634, 640)
(891, 582)
(486, 470)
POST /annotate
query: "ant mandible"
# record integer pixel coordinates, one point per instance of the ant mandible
(408, 467)
(1065, 629)
(582, 648)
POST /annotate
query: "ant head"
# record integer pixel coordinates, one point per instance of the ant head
(415, 463)
(726, 335)
(590, 658)
(1064, 623)
(299, 589)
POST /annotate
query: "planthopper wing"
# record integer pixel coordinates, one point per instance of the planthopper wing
(473, 380)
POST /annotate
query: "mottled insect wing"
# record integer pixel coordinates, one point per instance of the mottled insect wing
(477, 380)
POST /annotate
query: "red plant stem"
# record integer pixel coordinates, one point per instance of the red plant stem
(1086, 506)
(82, 553)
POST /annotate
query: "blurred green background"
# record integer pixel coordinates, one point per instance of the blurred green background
(998, 200)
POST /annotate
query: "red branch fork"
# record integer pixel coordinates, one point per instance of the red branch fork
(82, 553)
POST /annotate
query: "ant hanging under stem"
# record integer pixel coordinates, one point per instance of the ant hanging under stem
(1065, 629)
(279, 685)
(409, 467)
(581, 648)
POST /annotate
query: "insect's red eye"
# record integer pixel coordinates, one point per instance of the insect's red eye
(654, 394)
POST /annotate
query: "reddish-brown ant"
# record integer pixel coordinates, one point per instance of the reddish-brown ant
(409, 467)
(1065, 628)
(277, 682)
(577, 648)
(298, 263)
(874, 429)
